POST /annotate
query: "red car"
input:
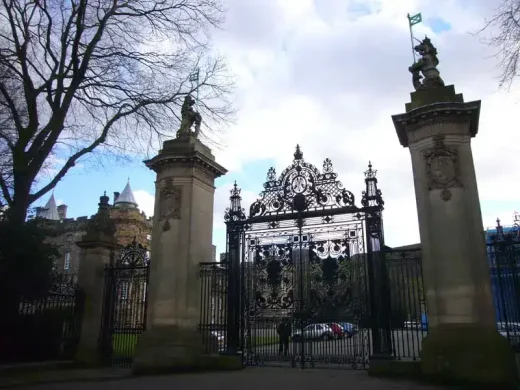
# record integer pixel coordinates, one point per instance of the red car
(337, 330)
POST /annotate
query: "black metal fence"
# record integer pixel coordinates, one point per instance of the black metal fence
(47, 328)
(125, 304)
(409, 321)
(503, 251)
(213, 304)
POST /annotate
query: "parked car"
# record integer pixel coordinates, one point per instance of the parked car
(412, 325)
(349, 329)
(337, 330)
(511, 331)
(314, 331)
(217, 341)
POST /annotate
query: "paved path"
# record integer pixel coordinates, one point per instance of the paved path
(251, 379)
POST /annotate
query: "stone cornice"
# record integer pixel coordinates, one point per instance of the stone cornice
(192, 159)
(437, 112)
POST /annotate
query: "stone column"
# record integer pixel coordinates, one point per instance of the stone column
(96, 247)
(462, 344)
(182, 238)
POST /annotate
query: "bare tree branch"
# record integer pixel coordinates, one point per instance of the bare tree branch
(87, 75)
(503, 32)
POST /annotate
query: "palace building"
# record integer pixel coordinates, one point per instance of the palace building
(65, 232)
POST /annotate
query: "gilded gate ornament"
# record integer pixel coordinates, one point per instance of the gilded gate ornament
(442, 168)
(169, 203)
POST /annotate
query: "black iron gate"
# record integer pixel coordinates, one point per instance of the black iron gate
(307, 283)
(125, 303)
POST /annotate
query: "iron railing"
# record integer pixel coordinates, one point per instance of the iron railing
(125, 304)
(213, 306)
(43, 329)
(408, 304)
(504, 261)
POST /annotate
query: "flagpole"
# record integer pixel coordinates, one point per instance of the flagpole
(411, 37)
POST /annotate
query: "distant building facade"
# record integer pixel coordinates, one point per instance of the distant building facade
(65, 232)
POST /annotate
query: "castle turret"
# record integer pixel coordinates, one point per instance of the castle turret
(126, 198)
(49, 211)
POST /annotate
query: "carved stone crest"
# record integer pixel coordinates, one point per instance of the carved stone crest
(169, 203)
(442, 168)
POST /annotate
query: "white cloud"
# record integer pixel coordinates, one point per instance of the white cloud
(325, 75)
(328, 75)
(145, 201)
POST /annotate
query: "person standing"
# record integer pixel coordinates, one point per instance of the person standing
(284, 333)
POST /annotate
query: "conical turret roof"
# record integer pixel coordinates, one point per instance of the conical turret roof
(51, 210)
(126, 198)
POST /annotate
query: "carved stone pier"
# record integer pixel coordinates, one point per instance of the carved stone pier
(182, 238)
(462, 344)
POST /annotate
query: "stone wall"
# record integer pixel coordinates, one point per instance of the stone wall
(131, 223)
(64, 234)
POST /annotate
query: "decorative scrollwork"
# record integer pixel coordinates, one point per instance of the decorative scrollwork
(327, 166)
(132, 256)
(273, 268)
(335, 278)
(301, 187)
(271, 174)
(64, 284)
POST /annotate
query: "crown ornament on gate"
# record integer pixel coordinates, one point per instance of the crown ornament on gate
(372, 196)
(235, 212)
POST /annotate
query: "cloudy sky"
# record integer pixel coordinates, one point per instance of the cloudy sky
(328, 75)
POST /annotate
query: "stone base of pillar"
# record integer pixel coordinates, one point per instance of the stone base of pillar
(89, 357)
(469, 355)
(170, 349)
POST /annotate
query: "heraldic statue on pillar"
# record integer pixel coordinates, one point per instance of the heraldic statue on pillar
(427, 65)
(189, 118)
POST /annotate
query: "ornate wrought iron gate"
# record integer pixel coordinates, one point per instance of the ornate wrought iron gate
(307, 284)
(125, 303)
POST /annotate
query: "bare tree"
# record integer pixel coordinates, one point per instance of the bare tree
(504, 34)
(99, 75)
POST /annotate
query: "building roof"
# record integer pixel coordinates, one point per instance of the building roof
(51, 210)
(126, 198)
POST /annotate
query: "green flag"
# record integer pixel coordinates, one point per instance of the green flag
(415, 19)
(194, 77)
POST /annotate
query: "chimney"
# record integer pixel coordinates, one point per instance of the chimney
(39, 212)
(116, 195)
(62, 211)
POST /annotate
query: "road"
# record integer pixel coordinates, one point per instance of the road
(406, 345)
(253, 378)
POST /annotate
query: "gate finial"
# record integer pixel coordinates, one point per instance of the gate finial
(298, 155)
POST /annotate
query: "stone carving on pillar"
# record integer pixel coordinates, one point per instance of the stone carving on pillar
(427, 65)
(442, 168)
(169, 203)
(189, 118)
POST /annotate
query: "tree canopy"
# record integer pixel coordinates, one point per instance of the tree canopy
(78, 76)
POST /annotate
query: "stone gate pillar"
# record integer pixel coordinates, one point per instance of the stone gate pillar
(96, 245)
(462, 343)
(182, 238)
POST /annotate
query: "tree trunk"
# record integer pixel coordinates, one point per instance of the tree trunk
(18, 208)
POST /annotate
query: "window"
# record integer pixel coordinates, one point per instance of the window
(66, 263)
